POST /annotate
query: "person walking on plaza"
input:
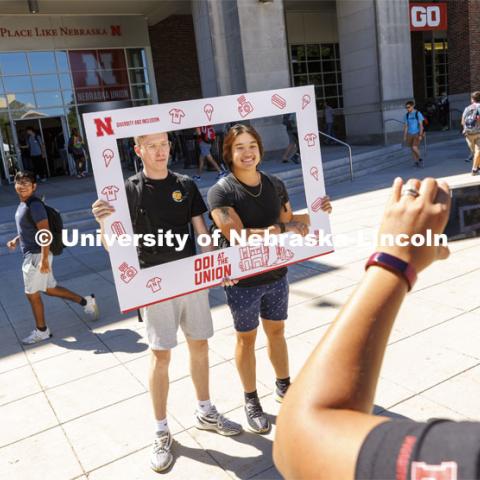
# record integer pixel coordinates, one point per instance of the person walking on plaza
(76, 148)
(471, 129)
(206, 136)
(36, 150)
(413, 132)
(291, 152)
(30, 217)
(161, 200)
(252, 201)
(326, 429)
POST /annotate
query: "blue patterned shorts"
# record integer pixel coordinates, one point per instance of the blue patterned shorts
(270, 302)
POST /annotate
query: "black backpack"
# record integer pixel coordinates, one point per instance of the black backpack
(55, 224)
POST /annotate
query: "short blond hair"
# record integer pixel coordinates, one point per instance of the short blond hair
(139, 138)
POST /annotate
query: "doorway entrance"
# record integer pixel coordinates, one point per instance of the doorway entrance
(53, 133)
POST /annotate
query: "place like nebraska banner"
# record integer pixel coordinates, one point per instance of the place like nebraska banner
(137, 286)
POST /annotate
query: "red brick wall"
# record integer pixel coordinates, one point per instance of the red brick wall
(175, 59)
(459, 45)
(474, 44)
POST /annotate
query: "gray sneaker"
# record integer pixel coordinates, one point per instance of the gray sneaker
(256, 418)
(217, 422)
(161, 457)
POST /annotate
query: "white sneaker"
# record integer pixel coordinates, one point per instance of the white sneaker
(161, 457)
(37, 336)
(91, 308)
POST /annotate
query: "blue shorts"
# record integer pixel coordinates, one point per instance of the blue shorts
(248, 303)
(205, 149)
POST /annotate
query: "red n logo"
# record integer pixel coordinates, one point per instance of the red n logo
(424, 471)
(116, 30)
(103, 126)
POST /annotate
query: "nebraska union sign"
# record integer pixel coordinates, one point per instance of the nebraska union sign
(113, 31)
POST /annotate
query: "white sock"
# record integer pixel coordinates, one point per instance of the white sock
(204, 406)
(161, 425)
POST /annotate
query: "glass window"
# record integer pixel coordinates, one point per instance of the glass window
(141, 103)
(139, 75)
(45, 82)
(313, 52)
(314, 67)
(37, 113)
(18, 84)
(299, 68)
(62, 61)
(140, 91)
(1, 86)
(21, 100)
(68, 97)
(65, 81)
(298, 53)
(111, 59)
(136, 58)
(13, 63)
(3, 102)
(322, 69)
(42, 62)
(49, 99)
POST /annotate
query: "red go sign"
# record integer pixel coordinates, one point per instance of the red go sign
(428, 16)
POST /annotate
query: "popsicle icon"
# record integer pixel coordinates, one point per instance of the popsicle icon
(306, 99)
(208, 109)
(314, 173)
(317, 204)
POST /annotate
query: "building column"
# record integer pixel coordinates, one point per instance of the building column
(375, 54)
(242, 47)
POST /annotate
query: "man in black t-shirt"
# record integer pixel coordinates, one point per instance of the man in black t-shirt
(159, 201)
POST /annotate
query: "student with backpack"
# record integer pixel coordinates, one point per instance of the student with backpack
(206, 136)
(471, 129)
(161, 200)
(33, 215)
(413, 131)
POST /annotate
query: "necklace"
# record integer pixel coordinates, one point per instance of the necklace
(254, 195)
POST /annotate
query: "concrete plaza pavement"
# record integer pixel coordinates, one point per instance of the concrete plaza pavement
(77, 406)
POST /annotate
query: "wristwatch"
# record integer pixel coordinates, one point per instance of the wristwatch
(395, 265)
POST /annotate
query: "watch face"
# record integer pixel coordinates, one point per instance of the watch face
(464, 220)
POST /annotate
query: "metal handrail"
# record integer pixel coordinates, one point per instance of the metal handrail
(403, 123)
(346, 145)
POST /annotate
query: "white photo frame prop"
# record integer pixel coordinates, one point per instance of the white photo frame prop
(138, 287)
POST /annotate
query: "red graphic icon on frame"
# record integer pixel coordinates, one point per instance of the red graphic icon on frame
(208, 109)
(278, 101)
(118, 228)
(306, 99)
(107, 155)
(110, 192)
(176, 115)
(253, 257)
(127, 272)
(283, 255)
(244, 106)
(316, 204)
(314, 173)
(154, 284)
(310, 139)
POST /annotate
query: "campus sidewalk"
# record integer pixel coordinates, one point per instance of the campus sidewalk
(77, 406)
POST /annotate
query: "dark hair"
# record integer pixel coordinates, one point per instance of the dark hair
(75, 132)
(232, 135)
(410, 103)
(25, 175)
(476, 96)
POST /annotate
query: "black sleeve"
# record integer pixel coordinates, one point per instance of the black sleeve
(198, 206)
(408, 450)
(220, 196)
(281, 189)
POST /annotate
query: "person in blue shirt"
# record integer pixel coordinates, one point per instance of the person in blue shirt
(413, 132)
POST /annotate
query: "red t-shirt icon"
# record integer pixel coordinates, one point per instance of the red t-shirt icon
(110, 192)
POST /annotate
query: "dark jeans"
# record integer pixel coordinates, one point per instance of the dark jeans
(38, 165)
